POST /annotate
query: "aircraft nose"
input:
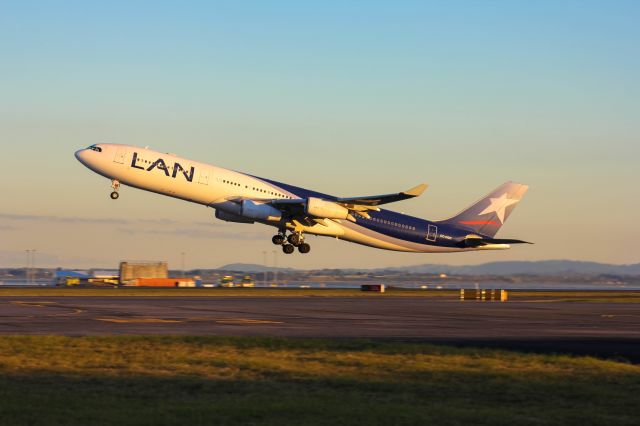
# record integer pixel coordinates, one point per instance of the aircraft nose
(80, 155)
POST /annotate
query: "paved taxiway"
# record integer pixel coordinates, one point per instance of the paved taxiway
(592, 328)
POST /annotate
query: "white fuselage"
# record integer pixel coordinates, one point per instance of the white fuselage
(216, 187)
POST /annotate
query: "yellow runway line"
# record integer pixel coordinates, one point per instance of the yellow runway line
(245, 321)
(39, 304)
(138, 320)
(148, 320)
(48, 304)
(233, 320)
(75, 311)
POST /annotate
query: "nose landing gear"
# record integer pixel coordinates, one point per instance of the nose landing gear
(115, 184)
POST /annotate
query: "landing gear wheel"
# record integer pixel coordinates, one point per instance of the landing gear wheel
(304, 248)
(295, 239)
(115, 184)
(278, 239)
(288, 248)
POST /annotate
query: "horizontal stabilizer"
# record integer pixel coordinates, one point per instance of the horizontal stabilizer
(505, 241)
(476, 241)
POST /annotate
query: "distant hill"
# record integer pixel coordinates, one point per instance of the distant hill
(544, 267)
(251, 268)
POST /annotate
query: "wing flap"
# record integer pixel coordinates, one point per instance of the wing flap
(376, 200)
(357, 206)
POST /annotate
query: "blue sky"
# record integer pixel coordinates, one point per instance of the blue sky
(350, 98)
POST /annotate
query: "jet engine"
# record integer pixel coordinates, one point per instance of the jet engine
(230, 217)
(256, 211)
(325, 209)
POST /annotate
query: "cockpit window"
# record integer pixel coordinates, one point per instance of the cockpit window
(95, 148)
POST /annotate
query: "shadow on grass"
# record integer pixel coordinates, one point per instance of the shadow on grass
(479, 399)
(160, 380)
(616, 349)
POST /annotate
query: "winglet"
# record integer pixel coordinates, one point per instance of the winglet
(416, 191)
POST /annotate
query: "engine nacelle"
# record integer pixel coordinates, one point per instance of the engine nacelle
(325, 209)
(256, 211)
(230, 217)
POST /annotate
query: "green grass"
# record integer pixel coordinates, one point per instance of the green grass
(608, 296)
(621, 296)
(143, 380)
(235, 292)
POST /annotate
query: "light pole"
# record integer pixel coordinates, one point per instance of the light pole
(265, 272)
(26, 268)
(275, 267)
(33, 266)
(30, 262)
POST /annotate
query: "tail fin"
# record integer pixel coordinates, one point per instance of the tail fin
(488, 214)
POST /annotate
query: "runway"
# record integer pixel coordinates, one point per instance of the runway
(606, 329)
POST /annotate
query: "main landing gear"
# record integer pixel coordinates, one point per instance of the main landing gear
(290, 243)
(115, 184)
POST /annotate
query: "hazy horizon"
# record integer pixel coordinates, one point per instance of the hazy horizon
(345, 98)
(178, 267)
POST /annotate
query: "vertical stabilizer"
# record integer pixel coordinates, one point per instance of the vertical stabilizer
(488, 214)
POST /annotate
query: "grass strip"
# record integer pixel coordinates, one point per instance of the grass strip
(154, 380)
(616, 296)
(221, 292)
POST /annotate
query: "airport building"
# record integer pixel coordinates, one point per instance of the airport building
(131, 271)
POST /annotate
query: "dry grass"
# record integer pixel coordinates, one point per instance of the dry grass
(196, 380)
(519, 295)
(260, 358)
(222, 292)
(608, 296)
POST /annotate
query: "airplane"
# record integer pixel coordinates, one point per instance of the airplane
(243, 198)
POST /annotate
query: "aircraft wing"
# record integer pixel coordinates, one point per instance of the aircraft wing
(351, 205)
(365, 202)
(376, 200)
